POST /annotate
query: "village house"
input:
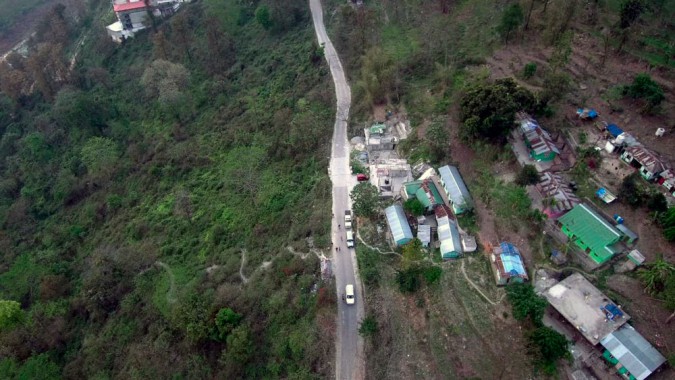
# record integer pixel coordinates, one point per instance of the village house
(537, 140)
(587, 309)
(448, 233)
(134, 15)
(508, 264)
(591, 233)
(631, 354)
(424, 191)
(667, 180)
(648, 163)
(453, 184)
(558, 197)
(399, 229)
(379, 138)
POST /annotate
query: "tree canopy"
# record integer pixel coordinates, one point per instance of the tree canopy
(487, 110)
(512, 18)
(366, 200)
(526, 303)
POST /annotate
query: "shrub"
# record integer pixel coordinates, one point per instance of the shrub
(368, 326)
(432, 274)
(529, 70)
(414, 206)
(528, 175)
(408, 280)
(631, 191)
(526, 303)
(645, 88)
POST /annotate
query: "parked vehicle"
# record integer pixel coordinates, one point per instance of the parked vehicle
(349, 294)
(350, 239)
(348, 219)
(361, 177)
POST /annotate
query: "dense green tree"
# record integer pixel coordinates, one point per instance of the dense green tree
(414, 206)
(548, 346)
(632, 191)
(436, 135)
(99, 155)
(655, 275)
(512, 18)
(239, 350)
(528, 175)
(365, 200)
(657, 202)
(262, 15)
(412, 254)
(631, 10)
(39, 367)
(645, 88)
(487, 110)
(226, 321)
(10, 314)
(526, 303)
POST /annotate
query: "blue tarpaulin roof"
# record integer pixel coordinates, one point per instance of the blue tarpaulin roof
(614, 130)
(511, 260)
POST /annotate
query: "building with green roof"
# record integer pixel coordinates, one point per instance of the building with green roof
(424, 191)
(590, 232)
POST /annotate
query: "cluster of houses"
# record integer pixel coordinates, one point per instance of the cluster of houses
(603, 324)
(443, 197)
(645, 161)
(135, 15)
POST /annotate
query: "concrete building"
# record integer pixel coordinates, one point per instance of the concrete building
(647, 163)
(591, 312)
(399, 228)
(379, 138)
(591, 233)
(667, 180)
(631, 354)
(508, 264)
(453, 184)
(424, 234)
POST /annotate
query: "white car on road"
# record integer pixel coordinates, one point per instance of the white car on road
(349, 294)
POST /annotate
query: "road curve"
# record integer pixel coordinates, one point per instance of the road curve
(349, 361)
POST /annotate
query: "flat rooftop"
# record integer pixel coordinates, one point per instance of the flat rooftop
(586, 308)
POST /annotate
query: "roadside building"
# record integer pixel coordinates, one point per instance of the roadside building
(591, 233)
(399, 228)
(631, 354)
(614, 130)
(134, 15)
(508, 264)
(453, 184)
(378, 137)
(586, 308)
(448, 234)
(647, 163)
(424, 191)
(537, 140)
(558, 196)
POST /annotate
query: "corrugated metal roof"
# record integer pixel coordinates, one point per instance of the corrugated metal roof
(455, 188)
(633, 352)
(425, 191)
(540, 141)
(553, 186)
(128, 6)
(647, 158)
(591, 229)
(448, 234)
(398, 224)
(424, 234)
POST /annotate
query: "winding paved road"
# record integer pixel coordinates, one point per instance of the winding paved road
(350, 362)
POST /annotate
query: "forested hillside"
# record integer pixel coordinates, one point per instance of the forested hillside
(163, 202)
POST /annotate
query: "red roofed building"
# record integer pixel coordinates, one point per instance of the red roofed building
(134, 15)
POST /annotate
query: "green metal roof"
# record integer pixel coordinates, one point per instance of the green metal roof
(591, 229)
(416, 189)
(378, 128)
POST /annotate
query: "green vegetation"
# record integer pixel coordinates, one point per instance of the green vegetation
(529, 70)
(13, 9)
(528, 175)
(10, 314)
(667, 221)
(414, 207)
(366, 200)
(644, 87)
(511, 20)
(487, 110)
(134, 185)
(548, 346)
(368, 327)
(658, 278)
(415, 268)
(525, 303)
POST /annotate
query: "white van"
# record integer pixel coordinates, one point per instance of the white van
(350, 239)
(349, 294)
